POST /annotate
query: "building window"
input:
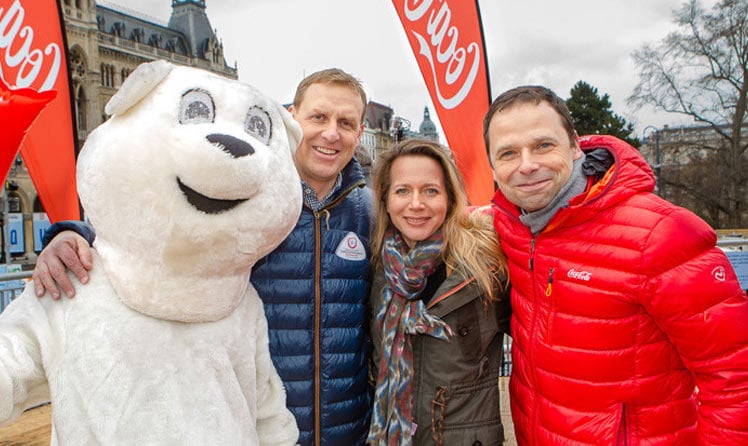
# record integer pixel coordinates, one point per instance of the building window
(77, 64)
(156, 40)
(138, 35)
(14, 203)
(118, 29)
(38, 205)
(107, 75)
(123, 74)
(80, 108)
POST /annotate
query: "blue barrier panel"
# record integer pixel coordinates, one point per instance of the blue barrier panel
(739, 261)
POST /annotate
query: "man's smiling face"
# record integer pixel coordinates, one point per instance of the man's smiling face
(531, 154)
(330, 119)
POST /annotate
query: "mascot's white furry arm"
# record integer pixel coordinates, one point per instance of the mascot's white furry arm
(187, 185)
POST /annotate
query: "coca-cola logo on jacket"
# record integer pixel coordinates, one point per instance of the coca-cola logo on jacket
(454, 62)
(27, 60)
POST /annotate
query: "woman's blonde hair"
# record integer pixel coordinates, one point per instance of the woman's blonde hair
(470, 241)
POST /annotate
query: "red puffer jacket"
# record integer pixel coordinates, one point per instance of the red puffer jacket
(629, 326)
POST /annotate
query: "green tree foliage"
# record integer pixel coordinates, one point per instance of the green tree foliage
(700, 70)
(592, 114)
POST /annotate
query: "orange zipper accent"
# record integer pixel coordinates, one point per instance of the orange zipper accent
(450, 292)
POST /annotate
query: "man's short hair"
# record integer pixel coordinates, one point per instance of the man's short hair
(530, 94)
(333, 76)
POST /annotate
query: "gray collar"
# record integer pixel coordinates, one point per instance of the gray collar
(536, 221)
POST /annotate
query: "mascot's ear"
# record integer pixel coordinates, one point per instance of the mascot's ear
(137, 85)
(293, 129)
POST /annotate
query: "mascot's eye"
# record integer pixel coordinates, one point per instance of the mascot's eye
(258, 124)
(196, 108)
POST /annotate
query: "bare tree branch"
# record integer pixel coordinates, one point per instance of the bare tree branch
(701, 71)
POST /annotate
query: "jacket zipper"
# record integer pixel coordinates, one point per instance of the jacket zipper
(622, 434)
(531, 352)
(317, 328)
(318, 306)
(531, 260)
(551, 306)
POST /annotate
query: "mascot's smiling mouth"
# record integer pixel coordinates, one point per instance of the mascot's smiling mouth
(207, 204)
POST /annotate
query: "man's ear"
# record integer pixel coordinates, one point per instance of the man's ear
(576, 148)
(360, 133)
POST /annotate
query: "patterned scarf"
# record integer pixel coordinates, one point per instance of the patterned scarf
(400, 316)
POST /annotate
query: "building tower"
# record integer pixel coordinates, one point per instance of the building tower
(189, 18)
(427, 130)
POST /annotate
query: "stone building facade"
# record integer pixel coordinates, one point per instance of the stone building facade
(105, 45)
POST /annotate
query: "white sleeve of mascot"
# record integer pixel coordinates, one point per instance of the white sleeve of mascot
(24, 334)
(275, 424)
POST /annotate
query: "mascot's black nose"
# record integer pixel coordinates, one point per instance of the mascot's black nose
(233, 146)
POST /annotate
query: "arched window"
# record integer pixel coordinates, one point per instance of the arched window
(77, 63)
(81, 102)
(38, 207)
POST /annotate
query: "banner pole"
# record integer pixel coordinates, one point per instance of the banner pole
(485, 52)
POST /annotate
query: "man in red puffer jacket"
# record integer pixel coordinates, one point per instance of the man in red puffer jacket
(629, 326)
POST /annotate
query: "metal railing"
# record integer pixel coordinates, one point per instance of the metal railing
(506, 357)
(11, 286)
(729, 243)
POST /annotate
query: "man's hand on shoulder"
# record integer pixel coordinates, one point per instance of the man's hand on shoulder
(66, 251)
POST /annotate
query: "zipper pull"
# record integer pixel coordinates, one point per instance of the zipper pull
(548, 289)
(532, 254)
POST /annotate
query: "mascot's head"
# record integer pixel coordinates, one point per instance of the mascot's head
(188, 184)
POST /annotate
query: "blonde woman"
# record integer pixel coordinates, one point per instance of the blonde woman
(440, 305)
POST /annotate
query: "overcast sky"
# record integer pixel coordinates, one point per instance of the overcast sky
(554, 43)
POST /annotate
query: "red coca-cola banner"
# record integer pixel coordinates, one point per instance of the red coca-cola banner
(33, 58)
(447, 39)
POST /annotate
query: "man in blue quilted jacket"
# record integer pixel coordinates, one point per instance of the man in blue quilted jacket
(315, 284)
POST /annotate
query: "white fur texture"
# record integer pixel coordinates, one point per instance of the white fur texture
(168, 342)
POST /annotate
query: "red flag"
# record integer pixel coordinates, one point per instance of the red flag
(18, 109)
(447, 39)
(33, 56)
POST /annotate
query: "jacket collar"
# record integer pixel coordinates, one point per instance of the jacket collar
(444, 301)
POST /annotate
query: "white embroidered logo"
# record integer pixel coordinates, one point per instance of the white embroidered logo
(719, 273)
(579, 275)
(351, 248)
(453, 62)
(16, 40)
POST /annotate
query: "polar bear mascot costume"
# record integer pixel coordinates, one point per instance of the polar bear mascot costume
(188, 184)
